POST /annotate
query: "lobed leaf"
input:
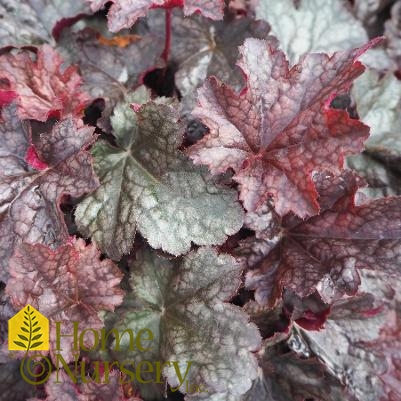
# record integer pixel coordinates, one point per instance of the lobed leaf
(148, 185)
(280, 129)
(183, 303)
(325, 252)
(44, 88)
(30, 200)
(68, 284)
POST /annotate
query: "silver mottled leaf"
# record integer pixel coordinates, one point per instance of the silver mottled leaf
(150, 186)
(183, 303)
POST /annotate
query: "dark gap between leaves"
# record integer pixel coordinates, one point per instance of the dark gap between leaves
(162, 81)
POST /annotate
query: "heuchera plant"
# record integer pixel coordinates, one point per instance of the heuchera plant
(224, 173)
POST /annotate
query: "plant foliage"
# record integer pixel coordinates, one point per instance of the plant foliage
(225, 174)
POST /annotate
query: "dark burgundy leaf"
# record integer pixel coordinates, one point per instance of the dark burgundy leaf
(280, 129)
(44, 88)
(30, 200)
(69, 284)
(325, 252)
(310, 312)
(124, 14)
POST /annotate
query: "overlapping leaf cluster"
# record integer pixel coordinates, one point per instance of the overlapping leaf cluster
(226, 174)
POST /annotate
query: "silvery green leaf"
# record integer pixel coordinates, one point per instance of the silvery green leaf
(378, 102)
(148, 185)
(183, 303)
(311, 26)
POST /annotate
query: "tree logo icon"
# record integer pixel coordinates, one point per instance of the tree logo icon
(28, 330)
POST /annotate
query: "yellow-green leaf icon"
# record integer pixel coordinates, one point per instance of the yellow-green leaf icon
(28, 330)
